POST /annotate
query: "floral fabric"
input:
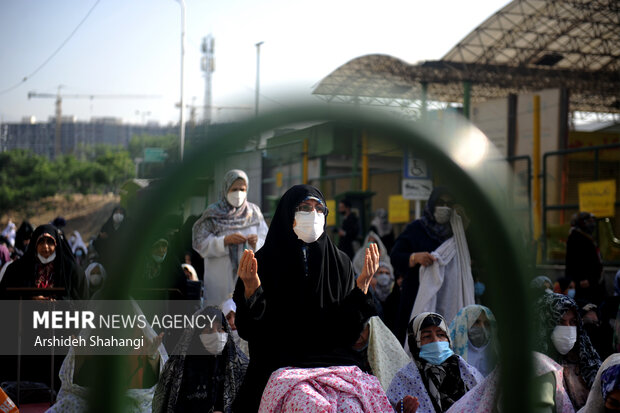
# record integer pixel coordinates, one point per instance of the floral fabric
(408, 381)
(331, 389)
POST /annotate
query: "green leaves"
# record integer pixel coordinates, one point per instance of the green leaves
(27, 177)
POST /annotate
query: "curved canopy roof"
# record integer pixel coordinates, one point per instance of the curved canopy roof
(527, 45)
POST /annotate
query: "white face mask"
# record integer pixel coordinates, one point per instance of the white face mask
(309, 227)
(158, 258)
(48, 259)
(442, 214)
(564, 338)
(95, 279)
(214, 343)
(118, 218)
(236, 198)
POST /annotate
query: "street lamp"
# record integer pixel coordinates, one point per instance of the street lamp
(257, 76)
(182, 102)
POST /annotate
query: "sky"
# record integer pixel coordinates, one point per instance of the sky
(133, 47)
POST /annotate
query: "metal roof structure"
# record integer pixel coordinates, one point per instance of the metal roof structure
(528, 45)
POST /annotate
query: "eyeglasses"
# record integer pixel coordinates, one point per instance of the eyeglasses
(443, 202)
(307, 208)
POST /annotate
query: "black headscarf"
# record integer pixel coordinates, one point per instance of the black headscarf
(67, 274)
(281, 265)
(438, 232)
(24, 232)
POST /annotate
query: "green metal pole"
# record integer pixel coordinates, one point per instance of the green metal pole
(466, 98)
(424, 100)
(355, 168)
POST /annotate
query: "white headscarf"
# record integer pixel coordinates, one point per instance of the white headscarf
(228, 306)
(9, 232)
(416, 330)
(76, 242)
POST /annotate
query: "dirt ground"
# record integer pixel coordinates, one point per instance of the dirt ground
(84, 213)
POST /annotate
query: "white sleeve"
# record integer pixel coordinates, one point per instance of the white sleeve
(262, 234)
(206, 244)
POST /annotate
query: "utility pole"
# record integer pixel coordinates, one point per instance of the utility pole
(257, 76)
(182, 102)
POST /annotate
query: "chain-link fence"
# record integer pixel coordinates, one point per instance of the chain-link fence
(562, 173)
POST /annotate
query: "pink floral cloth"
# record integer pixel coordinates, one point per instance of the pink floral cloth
(329, 390)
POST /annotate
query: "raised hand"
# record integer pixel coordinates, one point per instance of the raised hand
(248, 272)
(371, 265)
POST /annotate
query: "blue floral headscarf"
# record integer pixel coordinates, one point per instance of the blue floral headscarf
(464, 319)
(610, 380)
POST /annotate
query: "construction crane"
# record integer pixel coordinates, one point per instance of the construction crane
(59, 99)
(192, 110)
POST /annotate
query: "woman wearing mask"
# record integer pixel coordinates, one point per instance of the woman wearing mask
(436, 377)
(473, 333)
(605, 394)
(565, 286)
(223, 231)
(301, 282)
(161, 270)
(413, 247)
(358, 259)
(47, 263)
(95, 275)
(560, 335)
(110, 234)
(205, 371)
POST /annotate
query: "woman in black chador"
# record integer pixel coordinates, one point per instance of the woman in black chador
(298, 302)
(47, 263)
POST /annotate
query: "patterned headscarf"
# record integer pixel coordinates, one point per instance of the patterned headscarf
(465, 318)
(169, 386)
(610, 380)
(221, 217)
(549, 311)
